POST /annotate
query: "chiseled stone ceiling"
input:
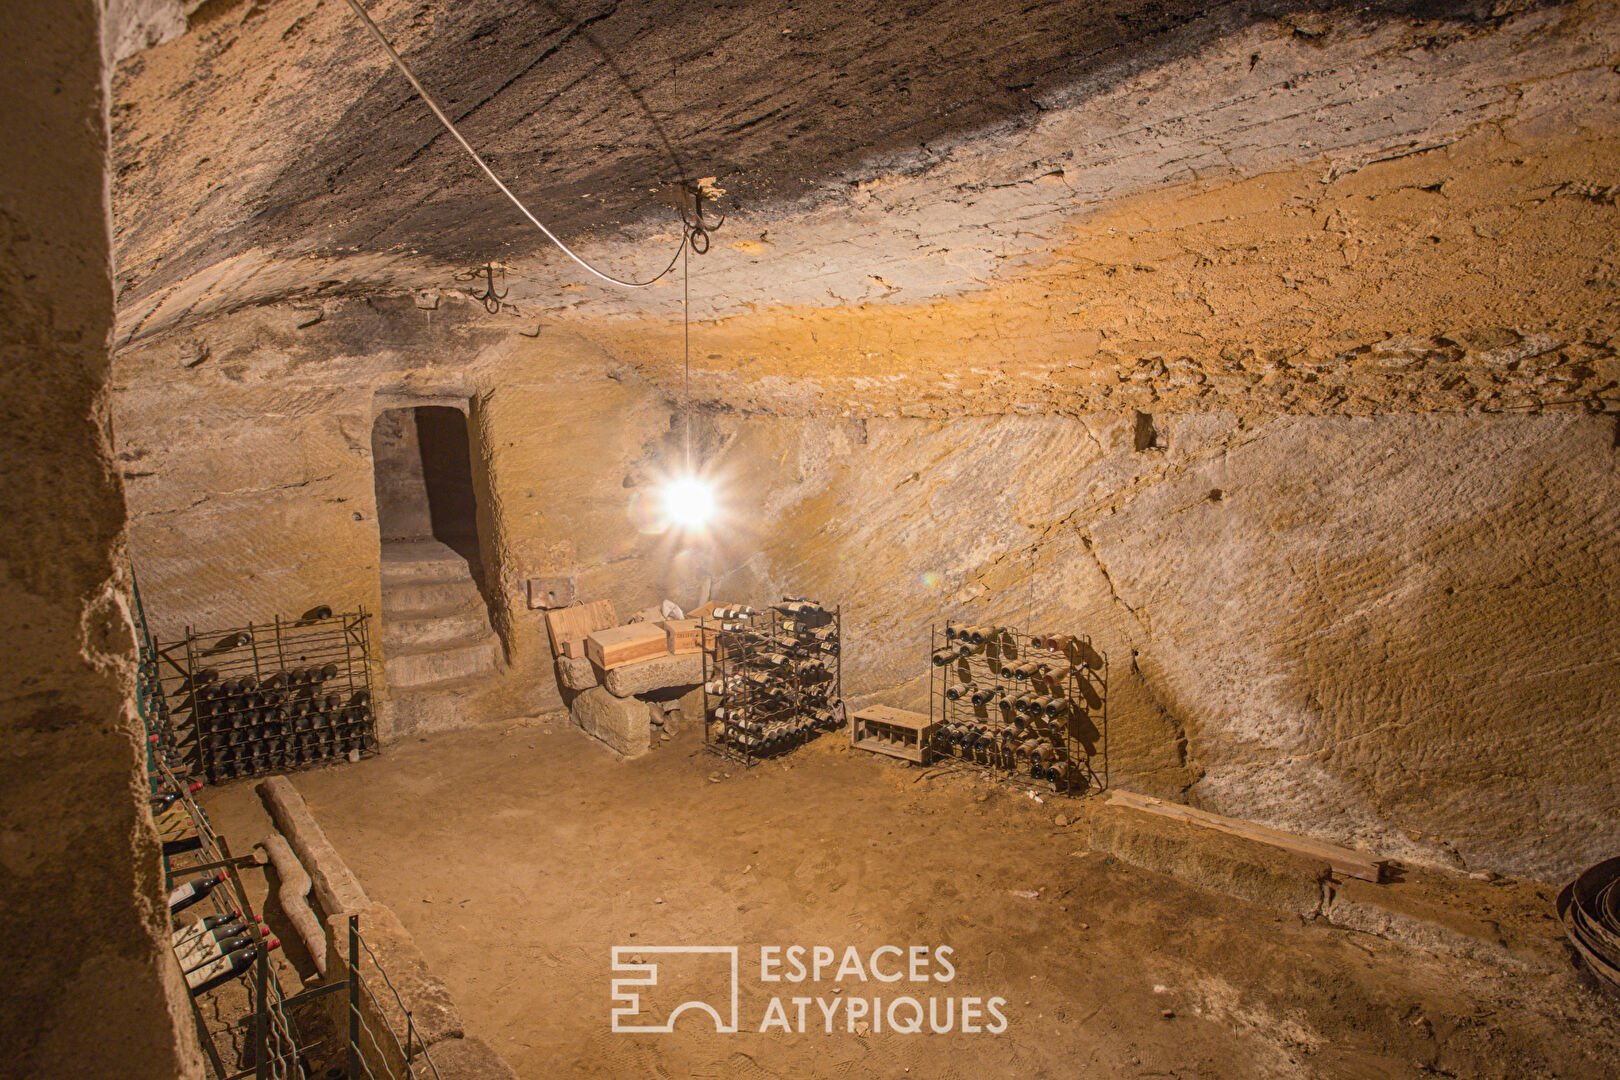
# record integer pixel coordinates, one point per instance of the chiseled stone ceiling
(930, 208)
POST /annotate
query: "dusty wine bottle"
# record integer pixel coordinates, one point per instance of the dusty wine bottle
(192, 891)
(735, 611)
(194, 944)
(986, 695)
(201, 926)
(981, 634)
(225, 968)
(957, 691)
(1057, 707)
(210, 950)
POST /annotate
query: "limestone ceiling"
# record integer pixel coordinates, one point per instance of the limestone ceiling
(867, 149)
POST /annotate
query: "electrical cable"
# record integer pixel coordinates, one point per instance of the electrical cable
(689, 231)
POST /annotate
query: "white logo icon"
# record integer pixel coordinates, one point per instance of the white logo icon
(628, 1002)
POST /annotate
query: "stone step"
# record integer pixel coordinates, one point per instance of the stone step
(449, 568)
(414, 633)
(406, 562)
(453, 660)
(454, 703)
(415, 599)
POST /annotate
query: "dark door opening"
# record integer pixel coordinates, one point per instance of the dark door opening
(423, 463)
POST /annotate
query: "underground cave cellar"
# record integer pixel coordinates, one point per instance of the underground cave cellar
(811, 540)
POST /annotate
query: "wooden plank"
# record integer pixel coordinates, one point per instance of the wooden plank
(898, 717)
(574, 623)
(892, 749)
(622, 645)
(682, 635)
(1342, 859)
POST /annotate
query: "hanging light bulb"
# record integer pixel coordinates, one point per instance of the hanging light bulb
(689, 501)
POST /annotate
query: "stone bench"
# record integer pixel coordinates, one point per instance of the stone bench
(624, 705)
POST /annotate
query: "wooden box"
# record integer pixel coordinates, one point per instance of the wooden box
(573, 623)
(626, 644)
(682, 635)
(895, 732)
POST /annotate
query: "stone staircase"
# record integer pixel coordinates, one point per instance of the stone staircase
(435, 629)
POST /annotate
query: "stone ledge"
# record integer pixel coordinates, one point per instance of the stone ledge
(1390, 912)
(434, 1014)
(1232, 865)
(336, 888)
(469, 1058)
(658, 673)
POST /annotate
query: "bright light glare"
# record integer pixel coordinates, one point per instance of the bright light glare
(689, 502)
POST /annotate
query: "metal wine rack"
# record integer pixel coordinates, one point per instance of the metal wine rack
(256, 1026)
(985, 714)
(772, 681)
(266, 697)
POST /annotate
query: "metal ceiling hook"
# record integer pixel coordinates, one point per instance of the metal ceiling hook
(492, 299)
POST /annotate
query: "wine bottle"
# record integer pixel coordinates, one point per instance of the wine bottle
(957, 691)
(196, 944)
(1056, 643)
(182, 844)
(986, 695)
(202, 926)
(1057, 707)
(225, 968)
(978, 635)
(193, 891)
(735, 611)
(210, 950)
(164, 801)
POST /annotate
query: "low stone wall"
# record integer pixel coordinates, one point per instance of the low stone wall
(389, 964)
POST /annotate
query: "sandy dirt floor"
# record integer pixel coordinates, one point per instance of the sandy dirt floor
(521, 855)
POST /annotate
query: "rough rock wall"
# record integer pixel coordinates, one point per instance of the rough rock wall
(91, 989)
(1398, 632)
(1478, 276)
(250, 472)
(928, 154)
(396, 458)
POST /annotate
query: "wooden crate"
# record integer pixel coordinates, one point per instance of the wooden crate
(622, 645)
(681, 635)
(574, 623)
(895, 732)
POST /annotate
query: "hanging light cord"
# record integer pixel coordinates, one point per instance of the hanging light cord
(689, 232)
